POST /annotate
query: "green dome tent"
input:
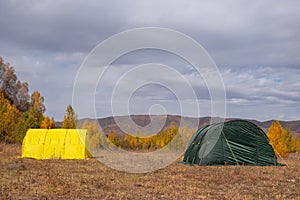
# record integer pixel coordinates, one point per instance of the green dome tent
(236, 142)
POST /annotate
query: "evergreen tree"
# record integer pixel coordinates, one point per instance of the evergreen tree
(26, 121)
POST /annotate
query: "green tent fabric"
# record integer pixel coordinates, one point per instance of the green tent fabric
(236, 142)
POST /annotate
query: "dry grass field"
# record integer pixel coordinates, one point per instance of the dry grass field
(89, 179)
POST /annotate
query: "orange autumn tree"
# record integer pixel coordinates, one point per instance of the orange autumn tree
(47, 123)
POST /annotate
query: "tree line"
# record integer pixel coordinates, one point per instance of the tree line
(173, 137)
(19, 110)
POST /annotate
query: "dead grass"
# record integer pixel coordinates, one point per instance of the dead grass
(89, 179)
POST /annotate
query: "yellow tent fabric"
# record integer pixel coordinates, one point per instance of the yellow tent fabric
(33, 143)
(55, 144)
(74, 145)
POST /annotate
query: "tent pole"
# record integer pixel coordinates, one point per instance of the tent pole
(230, 148)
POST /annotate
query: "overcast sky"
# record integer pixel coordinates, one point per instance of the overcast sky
(255, 45)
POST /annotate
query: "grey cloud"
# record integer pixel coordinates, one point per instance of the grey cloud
(234, 32)
(65, 26)
(263, 92)
(254, 43)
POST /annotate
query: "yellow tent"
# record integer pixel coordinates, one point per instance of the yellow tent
(33, 143)
(55, 143)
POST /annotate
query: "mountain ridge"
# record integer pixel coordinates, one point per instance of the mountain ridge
(109, 123)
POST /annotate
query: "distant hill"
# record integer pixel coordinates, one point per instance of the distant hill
(109, 123)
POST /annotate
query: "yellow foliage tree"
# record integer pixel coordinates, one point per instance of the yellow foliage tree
(52, 122)
(94, 138)
(70, 118)
(85, 124)
(37, 106)
(280, 139)
(47, 123)
(296, 142)
(288, 140)
(111, 136)
(9, 116)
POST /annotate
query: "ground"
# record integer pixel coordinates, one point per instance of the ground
(89, 179)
